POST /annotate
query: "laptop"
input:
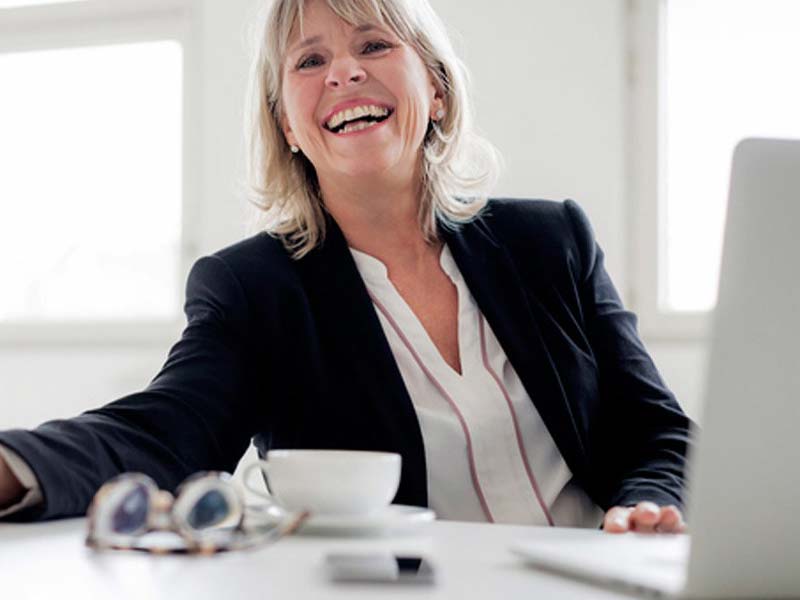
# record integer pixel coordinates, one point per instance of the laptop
(744, 476)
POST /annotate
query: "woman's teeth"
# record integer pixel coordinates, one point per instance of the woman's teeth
(351, 114)
(358, 126)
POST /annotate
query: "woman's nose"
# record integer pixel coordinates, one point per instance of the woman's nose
(344, 72)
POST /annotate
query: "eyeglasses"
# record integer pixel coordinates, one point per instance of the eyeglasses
(206, 515)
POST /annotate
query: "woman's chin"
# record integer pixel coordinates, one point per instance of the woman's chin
(367, 166)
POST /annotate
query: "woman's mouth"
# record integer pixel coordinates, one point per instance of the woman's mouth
(358, 121)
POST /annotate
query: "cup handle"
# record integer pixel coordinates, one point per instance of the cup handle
(263, 467)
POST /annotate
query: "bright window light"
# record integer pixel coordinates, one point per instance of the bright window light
(16, 3)
(731, 73)
(90, 192)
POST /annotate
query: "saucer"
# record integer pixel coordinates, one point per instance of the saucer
(395, 518)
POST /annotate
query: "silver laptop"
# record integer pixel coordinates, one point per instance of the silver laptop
(744, 481)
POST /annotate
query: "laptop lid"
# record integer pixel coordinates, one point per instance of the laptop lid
(745, 472)
(745, 480)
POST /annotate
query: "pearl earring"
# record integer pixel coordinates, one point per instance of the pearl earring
(294, 149)
(440, 113)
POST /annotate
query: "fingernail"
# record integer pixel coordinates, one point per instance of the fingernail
(620, 522)
(648, 508)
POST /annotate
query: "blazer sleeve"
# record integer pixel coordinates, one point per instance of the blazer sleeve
(194, 415)
(640, 438)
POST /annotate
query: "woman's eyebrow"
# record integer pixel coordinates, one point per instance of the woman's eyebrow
(368, 27)
(305, 43)
(363, 28)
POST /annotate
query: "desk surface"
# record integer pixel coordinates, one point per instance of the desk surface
(49, 560)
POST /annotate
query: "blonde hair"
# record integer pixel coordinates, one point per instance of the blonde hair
(459, 167)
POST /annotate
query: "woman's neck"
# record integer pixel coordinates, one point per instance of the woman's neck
(380, 219)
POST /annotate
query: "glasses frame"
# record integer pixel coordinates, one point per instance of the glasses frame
(168, 513)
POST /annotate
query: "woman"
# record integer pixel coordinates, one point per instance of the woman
(483, 342)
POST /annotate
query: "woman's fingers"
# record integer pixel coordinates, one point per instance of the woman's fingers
(671, 520)
(617, 519)
(645, 517)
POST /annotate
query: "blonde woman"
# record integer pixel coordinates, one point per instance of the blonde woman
(389, 306)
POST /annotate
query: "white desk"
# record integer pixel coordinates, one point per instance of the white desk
(49, 561)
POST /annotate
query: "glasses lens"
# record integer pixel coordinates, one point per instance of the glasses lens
(131, 514)
(212, 508)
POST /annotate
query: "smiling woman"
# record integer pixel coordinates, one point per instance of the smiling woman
(309, 54)
(388, 306)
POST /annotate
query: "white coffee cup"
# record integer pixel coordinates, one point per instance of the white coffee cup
(328, 482)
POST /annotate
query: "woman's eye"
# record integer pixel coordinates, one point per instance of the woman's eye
(316, 60)
(371, 47)
(311, 61)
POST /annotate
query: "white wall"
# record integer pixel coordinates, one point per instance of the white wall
(549, 85)
(549, 89)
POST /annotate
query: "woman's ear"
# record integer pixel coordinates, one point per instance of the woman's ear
(437, 103)
(437, 106)
(287, 132)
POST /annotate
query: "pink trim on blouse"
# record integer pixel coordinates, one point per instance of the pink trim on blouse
(472, 469)
(503, 389)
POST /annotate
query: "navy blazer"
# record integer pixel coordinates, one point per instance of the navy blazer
(291, 354)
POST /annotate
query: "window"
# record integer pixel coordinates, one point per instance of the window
(92, 212)
(16, 3)
(706, 73)
(91, 196)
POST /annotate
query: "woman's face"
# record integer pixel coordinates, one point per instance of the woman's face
(368, 70)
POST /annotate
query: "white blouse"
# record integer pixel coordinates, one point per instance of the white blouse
(488, 453)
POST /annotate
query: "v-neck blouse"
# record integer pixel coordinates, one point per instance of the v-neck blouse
(488, 453)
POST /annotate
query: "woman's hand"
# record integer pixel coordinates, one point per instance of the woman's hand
(645, 517)
(11, 490)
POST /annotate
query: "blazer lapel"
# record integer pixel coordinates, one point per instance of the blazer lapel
(498, 290)
(346, 315)
(347, 318)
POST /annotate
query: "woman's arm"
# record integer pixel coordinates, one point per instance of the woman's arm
(641, 437)
(195, 415)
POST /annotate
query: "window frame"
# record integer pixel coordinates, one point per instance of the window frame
(102, 22)
(645, 87)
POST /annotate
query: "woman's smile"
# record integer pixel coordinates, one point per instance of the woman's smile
(356, 115)
(358, 128)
